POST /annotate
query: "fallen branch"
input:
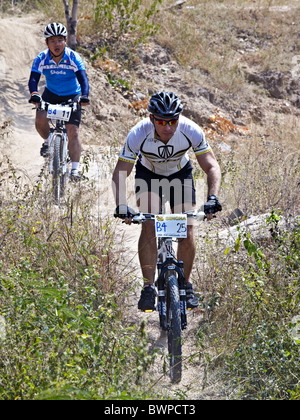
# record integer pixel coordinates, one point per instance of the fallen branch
(177, 5)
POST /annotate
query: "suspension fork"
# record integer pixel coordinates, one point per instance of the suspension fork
(64, 152)
(51, 149)
(162, 255)
(166, 263)
(61, 131)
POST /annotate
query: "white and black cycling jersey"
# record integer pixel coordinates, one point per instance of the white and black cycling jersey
(164, 159)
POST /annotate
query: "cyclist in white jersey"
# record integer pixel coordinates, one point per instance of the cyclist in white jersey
(66, 79)
(160, 145)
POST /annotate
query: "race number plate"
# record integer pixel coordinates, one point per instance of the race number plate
(171, 225)
(59, 112)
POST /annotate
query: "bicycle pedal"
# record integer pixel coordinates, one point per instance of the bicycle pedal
(195, 309)
(148, 311)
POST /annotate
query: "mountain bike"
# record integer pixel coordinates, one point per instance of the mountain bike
(58, 159)
(171, 283)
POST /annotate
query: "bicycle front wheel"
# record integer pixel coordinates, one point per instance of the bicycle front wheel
(174, 329)
(59, 178)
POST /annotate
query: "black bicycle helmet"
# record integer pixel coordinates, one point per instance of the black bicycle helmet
(55, 29)
(165, 105)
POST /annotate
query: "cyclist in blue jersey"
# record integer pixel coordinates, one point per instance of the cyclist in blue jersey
(66, 79)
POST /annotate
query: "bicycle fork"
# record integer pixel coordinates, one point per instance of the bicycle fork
(51, 151)
(163, 269)
(64, 162)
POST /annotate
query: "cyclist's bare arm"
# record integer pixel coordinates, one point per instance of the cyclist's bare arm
(122, 171)
(210, 166)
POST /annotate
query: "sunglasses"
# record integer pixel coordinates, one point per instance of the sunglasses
(164, 122)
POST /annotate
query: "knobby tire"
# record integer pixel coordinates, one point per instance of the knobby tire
(174, 329)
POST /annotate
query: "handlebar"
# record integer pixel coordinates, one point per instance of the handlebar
(44, 105)
(139, 218)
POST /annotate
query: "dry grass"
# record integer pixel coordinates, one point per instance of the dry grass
(263, 172)
(220, 37)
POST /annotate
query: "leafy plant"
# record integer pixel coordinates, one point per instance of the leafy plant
(63, 344)
(63, 335)
(127, 17)
(257, 282)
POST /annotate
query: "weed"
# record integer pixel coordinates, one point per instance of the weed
(127, 17)
(257, 284)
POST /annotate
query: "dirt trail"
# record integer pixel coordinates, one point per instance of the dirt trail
(22, 42)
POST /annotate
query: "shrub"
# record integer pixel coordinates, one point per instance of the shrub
(252, 296)
(61, 294)
(119, 18)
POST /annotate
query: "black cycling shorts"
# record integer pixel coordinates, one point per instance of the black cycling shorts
(53, 99)
(177, 189)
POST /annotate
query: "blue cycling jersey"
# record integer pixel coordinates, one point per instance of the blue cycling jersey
(61, 79)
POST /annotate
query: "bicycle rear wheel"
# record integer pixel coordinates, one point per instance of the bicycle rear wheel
(174, 329)
(58, 178)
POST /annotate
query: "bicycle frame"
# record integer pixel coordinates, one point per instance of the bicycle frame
(58, 144)
(168, 264)
(171, 286)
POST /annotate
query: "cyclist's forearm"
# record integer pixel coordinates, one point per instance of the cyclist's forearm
(211, 167)
(121, 172)
(119, 189)
(214, 180)
(34, 81)
(84, 83)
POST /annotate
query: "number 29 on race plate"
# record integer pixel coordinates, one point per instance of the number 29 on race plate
(171, 225)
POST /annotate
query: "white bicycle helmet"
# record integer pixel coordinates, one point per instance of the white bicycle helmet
(55, 29)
